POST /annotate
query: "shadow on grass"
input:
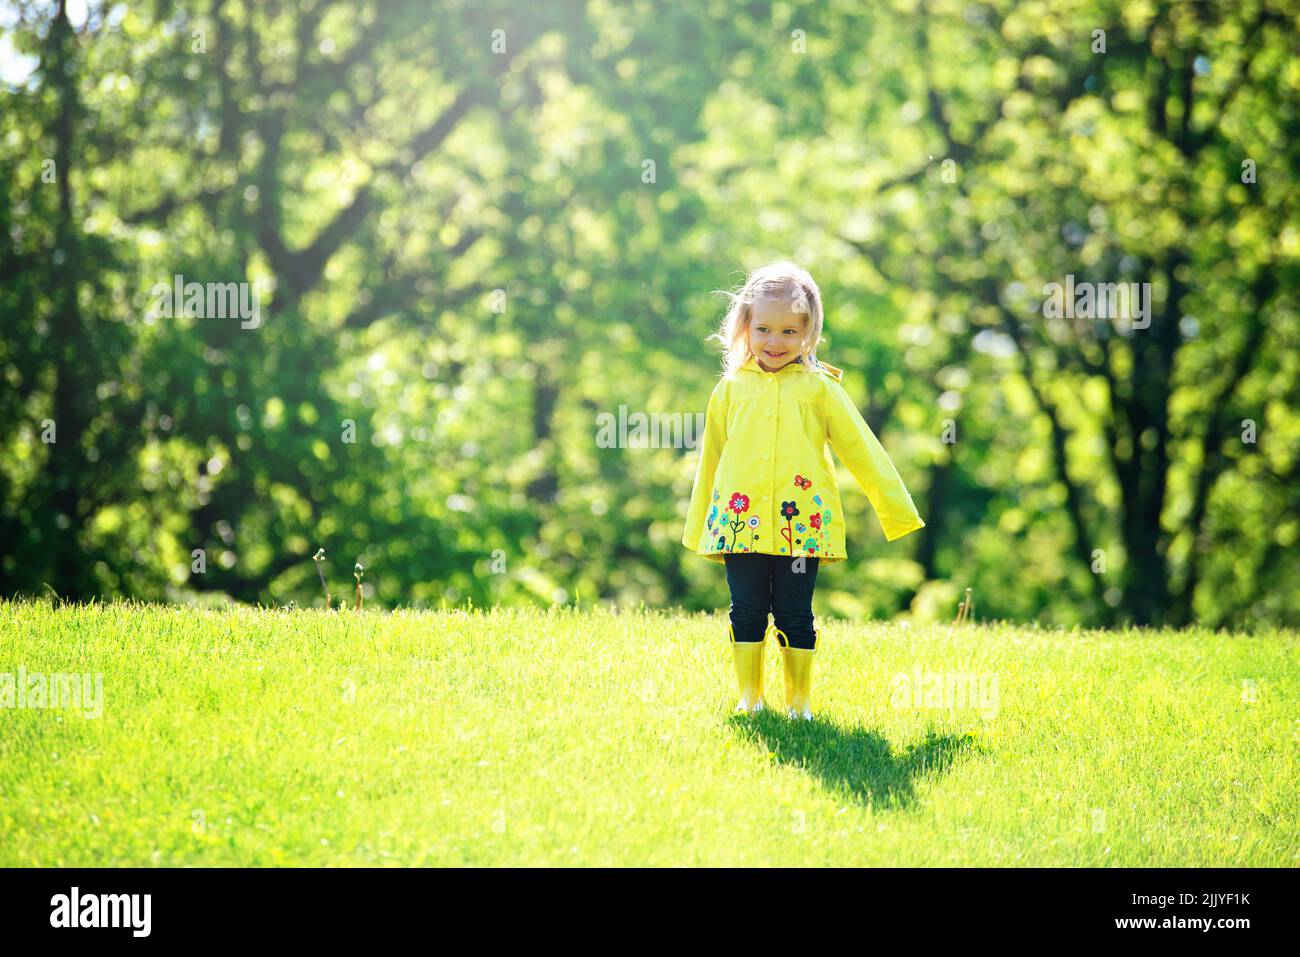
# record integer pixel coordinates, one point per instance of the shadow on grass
(853, 761)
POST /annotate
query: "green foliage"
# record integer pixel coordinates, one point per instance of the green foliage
(459, 253)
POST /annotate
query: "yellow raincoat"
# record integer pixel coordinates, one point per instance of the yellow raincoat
(766, 482)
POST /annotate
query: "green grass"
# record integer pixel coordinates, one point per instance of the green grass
(516, 737)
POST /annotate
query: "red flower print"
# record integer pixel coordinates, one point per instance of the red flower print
(815, 520)
(739, 504)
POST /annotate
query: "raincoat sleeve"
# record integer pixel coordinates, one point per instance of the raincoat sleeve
(860, 450)
(715, 436)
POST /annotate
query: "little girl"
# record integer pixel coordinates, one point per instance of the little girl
(765, 499)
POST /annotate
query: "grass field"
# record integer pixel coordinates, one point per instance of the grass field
(588, 737)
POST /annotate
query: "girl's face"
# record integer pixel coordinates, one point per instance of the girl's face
(775, 332)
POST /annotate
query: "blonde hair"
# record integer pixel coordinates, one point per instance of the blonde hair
(776, 280)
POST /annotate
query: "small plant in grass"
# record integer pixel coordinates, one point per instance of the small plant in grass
(964, 611)
(358, 572)
(967, 606)
(318, 558)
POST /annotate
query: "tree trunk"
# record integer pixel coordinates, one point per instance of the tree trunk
(66, 466)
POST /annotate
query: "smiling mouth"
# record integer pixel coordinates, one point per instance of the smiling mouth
(773, 355)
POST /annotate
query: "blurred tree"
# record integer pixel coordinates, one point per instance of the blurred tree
(474, 230)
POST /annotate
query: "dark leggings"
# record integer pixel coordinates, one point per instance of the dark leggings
(763, 583)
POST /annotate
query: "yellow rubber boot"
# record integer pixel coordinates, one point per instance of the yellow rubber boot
(798, 677)
(749, 672)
